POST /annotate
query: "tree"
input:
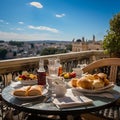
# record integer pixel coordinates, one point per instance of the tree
(111, 42)
(2, 41)
(3, 53)
(32, 45)
(69, 47)
(50, 51)
(16, 43)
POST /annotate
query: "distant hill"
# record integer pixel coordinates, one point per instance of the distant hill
(48, 41)
(38, 41)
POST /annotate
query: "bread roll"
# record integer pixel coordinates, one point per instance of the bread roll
(21, 91)
(102, 75)
(35, 90)
(74, 82)
(98, 84)
(89, 77)
(107, 82)
(84, 83)
(96, 76)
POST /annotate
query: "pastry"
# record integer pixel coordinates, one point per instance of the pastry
(89, 77)
(84, 83)
(98, 84)
(21, 91)
(107, 82)
(91, 81)
(74, 82)
(35, 90)
(102, 75)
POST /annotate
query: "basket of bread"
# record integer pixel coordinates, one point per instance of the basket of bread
(91, 82)
(27, 78)
(28, 92)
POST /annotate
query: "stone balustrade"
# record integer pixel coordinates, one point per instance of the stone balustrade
(13, 67)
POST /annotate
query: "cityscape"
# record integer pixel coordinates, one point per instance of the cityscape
(36, 28)
(19, 49)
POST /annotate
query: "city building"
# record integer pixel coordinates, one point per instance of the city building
(82, 45)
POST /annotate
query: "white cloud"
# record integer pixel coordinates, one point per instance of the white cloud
(60, 15)
(21, 22)
(36, 4)
(33, 36)
(43, 28)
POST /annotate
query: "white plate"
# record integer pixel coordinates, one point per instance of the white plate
(29, 82)
(31, 97)
(103, 89)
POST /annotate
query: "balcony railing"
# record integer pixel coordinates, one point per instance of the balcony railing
(11, 68)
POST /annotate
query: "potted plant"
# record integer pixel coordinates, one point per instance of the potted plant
(111, 42)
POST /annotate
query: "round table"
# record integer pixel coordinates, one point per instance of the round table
(38, 106)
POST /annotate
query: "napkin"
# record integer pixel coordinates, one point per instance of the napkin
(71, 100)
(16, 84)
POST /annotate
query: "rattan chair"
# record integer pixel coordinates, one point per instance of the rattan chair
(111, 67)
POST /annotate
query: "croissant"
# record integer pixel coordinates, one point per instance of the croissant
(98, 84)
(35, 90)
(84, 83)
(21, 91)
(74, 82)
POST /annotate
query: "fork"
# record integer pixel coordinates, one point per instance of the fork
(78, 95)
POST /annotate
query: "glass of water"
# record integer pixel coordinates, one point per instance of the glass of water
(52, 67)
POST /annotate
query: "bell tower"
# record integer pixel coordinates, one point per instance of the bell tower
(93, 38)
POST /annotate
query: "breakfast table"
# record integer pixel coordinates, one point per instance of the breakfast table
(43, 106)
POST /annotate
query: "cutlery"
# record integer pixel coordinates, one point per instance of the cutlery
(77, 95)
(45, 100)
(80, 98)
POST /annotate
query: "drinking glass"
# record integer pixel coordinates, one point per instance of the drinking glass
(52, 67)
(78, 72)
(51, 86)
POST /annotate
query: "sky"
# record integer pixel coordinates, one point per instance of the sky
(65, 20)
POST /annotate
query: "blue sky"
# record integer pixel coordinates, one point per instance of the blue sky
(56, 19)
